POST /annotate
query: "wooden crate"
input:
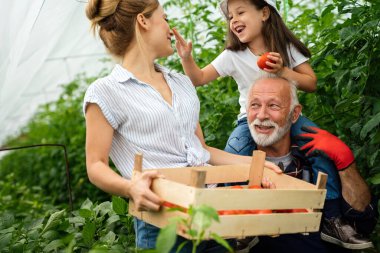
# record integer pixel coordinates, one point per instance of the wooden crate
(185, 187)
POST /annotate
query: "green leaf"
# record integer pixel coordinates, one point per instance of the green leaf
(7, 220)
(372, 158)
(109, 238)
(53, 246)
(222, 242)
(375, 179)
(119, 205)
(166, 238)
(112, 219)
(5, 240)
(88, 232)
(85, 213)
(208, 211)
(54, 220)
(87, 204)
(7, 230)
(370, 125)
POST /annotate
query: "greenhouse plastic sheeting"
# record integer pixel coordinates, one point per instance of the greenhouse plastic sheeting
(44, 44)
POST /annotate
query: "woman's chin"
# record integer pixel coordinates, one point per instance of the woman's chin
(167, 53)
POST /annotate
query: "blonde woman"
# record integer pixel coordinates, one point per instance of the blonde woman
(142, 107)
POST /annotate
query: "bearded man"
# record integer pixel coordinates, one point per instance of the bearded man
(272, 107)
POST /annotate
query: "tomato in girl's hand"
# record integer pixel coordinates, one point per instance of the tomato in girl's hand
(261, 62)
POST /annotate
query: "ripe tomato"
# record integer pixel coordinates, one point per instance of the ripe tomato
(171, 205)
(261, 62)
(227, 212)
(236, 187)
(264, 211)
(255, 187)
(295, 210)
(168, 204)
(299, 210)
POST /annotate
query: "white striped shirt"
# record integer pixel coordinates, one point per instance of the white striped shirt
(144, 122)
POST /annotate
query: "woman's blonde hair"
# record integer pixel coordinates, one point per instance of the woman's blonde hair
(115, 21)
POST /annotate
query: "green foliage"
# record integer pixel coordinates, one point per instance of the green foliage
(23, 201)
(58, 122)
(199, 219)
(92, 228)
(346, 45)
(347, 63)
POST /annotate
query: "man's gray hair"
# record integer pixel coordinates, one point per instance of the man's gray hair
(293, 88)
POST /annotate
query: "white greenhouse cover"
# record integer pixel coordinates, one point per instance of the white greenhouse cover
(43, 44)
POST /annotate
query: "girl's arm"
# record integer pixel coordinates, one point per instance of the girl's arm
(99, 134)
(220, 157)
(197, 76)
(303, 74)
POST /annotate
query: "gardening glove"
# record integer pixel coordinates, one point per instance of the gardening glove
(324, 143)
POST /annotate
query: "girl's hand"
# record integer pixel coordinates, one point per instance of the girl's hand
(277, 66)
(183, 48)
(141, 194)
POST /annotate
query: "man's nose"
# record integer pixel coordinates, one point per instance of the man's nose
(262, 113)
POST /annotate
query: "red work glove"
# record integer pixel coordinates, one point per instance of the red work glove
(323, 142)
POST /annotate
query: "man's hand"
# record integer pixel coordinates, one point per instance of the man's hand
(273, 167)
(323, 142)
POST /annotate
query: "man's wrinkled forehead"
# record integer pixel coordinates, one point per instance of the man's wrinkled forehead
(271, 87)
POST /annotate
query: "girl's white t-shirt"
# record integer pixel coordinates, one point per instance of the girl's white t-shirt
(242, 67)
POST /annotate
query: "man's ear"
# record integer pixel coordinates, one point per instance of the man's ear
(142, 21)
(266, 13)
(296, 113)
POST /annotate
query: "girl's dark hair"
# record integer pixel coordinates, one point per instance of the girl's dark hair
(277, 37)
(115, 21)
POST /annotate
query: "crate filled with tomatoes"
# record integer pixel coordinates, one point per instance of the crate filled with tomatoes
(294, 206)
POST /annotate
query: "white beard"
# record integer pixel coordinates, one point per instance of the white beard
(266, 140)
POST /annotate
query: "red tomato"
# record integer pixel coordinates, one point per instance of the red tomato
(168, 204)
(171, 205)
(296, 210)
(255, 187)
(264, 211)
(236, 187)
(261, 62)
(299, 210)
(227, 212)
